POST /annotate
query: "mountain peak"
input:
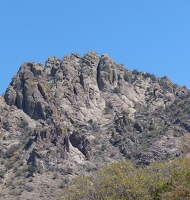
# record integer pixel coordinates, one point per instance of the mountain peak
(88, 111)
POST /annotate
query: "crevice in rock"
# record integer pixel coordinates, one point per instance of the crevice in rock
(43, 135)
(32, 158)
(54, 141)
(66, 144)
(75, 91)
(81, 80)
(98, 78)
(113, 77)
(80, 142)
(40, 88)
(28, 145)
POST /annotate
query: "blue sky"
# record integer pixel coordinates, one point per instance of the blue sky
(147, 35)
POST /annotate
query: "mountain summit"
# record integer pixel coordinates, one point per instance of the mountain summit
(76, 114)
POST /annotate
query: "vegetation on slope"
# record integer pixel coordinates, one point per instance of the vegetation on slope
(124, 180)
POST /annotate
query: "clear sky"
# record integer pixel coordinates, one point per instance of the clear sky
(147, 35)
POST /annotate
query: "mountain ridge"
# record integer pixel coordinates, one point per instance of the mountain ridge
(76, 114)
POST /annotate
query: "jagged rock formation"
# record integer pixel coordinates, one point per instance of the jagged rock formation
(88, 111)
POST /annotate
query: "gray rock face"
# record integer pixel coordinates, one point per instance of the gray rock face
(90, 110)
(67, 94)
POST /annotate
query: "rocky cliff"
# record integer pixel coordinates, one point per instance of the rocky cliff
(73, 115)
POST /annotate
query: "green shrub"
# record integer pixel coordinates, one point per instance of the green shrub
(127, 77)
(9, 163)
(151, 76)
(2, 174)
(135, 72)
(55, 175)
(31, 169)
(116, 90)
(188, 110)
(123, 180)
(151, 127)
(11, 151)
(108, 107)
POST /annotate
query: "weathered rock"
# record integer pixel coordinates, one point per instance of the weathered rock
(138, 127)
(106, 74)
(87, 111)
(10, 96)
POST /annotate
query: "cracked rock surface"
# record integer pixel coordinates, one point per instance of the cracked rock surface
(74, 115)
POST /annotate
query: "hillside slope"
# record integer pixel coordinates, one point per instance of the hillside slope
(76, 114)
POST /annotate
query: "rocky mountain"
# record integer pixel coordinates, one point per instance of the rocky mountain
(74, 115)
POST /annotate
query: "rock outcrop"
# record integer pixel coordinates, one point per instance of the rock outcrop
(88, 111)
